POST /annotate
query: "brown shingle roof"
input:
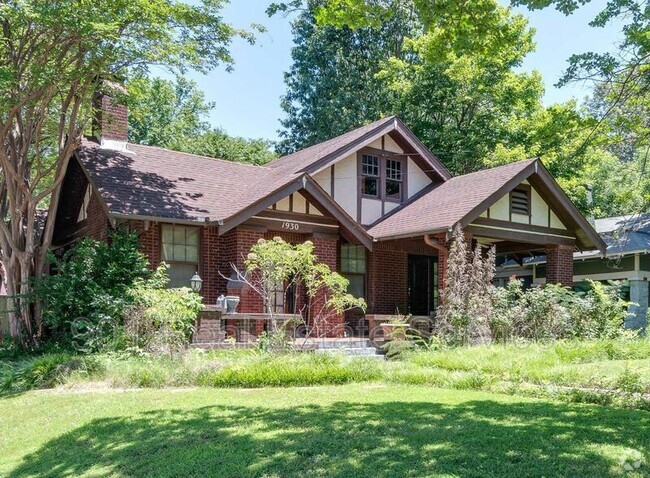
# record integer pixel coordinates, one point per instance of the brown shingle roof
(316, 157)
(157, 182)
(448, 203)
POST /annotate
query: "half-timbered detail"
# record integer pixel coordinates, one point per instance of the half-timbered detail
(378, 206)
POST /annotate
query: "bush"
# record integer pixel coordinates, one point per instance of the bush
(86, 295)
(160, 320)
(556, 312)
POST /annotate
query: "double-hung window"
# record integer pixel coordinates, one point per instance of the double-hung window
(393, 179)
(353, 268)
(180, 249)
(382, 178)
(370, 175)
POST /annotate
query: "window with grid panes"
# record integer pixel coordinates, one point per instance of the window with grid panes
(180, 249)
(353, 268)
(370, 175)
(393, 179)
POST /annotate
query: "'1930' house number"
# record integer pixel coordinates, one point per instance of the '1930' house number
(290, 226)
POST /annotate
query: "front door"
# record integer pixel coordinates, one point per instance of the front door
(422, 284)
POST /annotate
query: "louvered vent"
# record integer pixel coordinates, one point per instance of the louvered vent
(520, 201)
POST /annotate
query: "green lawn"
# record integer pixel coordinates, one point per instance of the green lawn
(351, 430)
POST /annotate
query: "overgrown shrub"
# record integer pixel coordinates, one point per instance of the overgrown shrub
(556, 312)
(160, 320)
(86, 295)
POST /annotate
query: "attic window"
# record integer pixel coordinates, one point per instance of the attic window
(520, 200)
(370, 175)
(83, 212)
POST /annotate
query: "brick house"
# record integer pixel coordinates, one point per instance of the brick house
(378, 206)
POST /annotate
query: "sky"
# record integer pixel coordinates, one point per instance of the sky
(248, 99)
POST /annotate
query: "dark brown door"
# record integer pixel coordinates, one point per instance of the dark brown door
(421, 283)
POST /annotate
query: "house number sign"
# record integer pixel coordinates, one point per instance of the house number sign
(290, 226)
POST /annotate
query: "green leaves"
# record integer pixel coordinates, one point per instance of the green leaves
(174, 115)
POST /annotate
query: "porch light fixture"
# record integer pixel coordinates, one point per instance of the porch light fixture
(196, 282)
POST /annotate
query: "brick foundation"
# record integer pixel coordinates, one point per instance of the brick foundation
(559, 264)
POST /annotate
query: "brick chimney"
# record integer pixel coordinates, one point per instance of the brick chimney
(110, 115)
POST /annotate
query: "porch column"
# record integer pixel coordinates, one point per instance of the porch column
(325, 321)
(637, 317)
(559, 264)
(241, 242)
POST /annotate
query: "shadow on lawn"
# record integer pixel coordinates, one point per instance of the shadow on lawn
(479, 438)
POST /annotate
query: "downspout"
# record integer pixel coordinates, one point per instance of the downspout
(432, 242)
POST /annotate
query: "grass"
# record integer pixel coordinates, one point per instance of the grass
(338, 431)
(615, 372)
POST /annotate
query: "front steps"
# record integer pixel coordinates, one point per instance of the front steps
(348, 347)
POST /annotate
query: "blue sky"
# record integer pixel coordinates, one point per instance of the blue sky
(248, 99)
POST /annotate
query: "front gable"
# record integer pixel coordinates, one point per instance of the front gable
(344, 179)
(539, 212)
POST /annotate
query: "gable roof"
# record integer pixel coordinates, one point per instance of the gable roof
(156, 183)
(316, 158)
(463, 198)
(449, 203)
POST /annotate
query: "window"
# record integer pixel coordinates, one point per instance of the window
(520, 200)
(83, 212)
(382, 178)
(393, 179)
(353, 268)
(180, 249)
(370, 175)
(277, 298)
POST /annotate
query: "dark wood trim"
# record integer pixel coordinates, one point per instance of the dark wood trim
(484, 221)
(556, 198)
(297, 216)
(244, 214)
(290, 202)
(422, 151)
(495, 196)
(332, 189)
(319, 196)
(382, 179)
(519, 236)
(350, 148)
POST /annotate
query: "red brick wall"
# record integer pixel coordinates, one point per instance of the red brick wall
(97, 224)
(387, 281)
(149, 234)
(387, 288)
(324, 321)
(110, 119)
(559, 264)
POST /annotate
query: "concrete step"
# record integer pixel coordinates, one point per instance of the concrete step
(342, 344)
(370, 352)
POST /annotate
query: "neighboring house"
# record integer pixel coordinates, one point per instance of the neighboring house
(378, 206)
(627, 259)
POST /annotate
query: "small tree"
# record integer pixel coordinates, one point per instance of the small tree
(276, 263)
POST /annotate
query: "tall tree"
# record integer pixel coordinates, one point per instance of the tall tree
(449, 72)
(173, 114)
(332, 85)
(621, 84)
(51, 54)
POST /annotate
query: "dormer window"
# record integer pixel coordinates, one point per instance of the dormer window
(382, 176)
(393, 180)
(520, 200)
(370, 175)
